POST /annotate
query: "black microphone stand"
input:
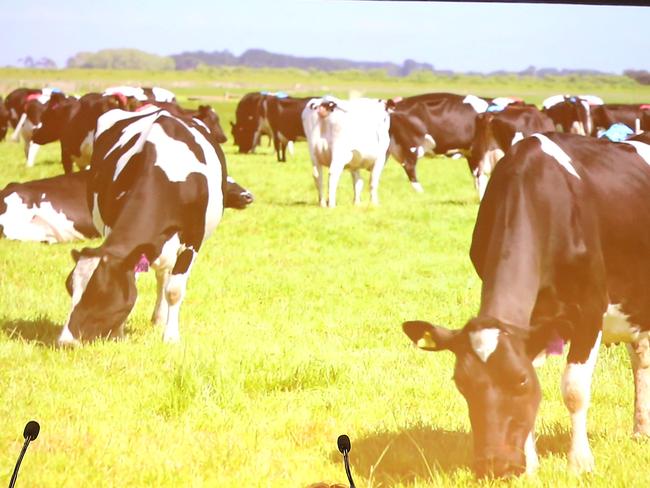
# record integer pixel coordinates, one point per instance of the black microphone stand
(12, 483)
(345, 447)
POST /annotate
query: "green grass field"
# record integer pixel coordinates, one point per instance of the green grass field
(290, 331)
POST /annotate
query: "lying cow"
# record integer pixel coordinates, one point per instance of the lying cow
(496, 132)
(56, 209)
(144, 202)
(349, 134)
(560, 243)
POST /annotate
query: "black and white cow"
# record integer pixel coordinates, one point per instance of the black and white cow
(135, 96)
(285, 119)
(4, 120)
(496, 132)
(16, 100)
(608, 114)
(350, 134)
(73, 122)
(572, 114)
(157, 189)
(56, 209)
(433, 123)
(251, 122)
(561, 244)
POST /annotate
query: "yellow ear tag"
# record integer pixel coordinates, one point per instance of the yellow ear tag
(426, 341)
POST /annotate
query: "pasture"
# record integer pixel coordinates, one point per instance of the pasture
(290, 331)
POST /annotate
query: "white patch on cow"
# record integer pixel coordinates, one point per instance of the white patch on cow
(642, 149)
(556, 152)
(127, 91)
(484, 342)
(290, 147)
(86, 151)
(417, 186)
(162, 95)
(40, 223)
(478, 104)
(516, 138)
(616, 326)
(110, 118)
(532, 461)
(230, 179)
(81, 275)
(32, 151)
(576, 392)
(577, 127)
(592, 99)
(19, 127)
(174, 157)
(429, 144)
(553, 100)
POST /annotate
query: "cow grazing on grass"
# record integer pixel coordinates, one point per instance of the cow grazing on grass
(349, 134)
(56, 209)
(73, 122)
(285, 118)
(432, 123)
(251, 121)
(572, 114)
(608, 114)
(156, 189)
(561, 244)
(496, 132)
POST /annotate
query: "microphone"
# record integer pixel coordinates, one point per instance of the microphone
(344, 446)
(30, 433)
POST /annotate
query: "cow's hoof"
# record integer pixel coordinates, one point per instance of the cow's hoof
(581, 462)
(641, 433)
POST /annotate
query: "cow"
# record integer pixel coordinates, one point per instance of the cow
(4, 120)
(156, 189)
(73, 122)
(15, 103)
(56, 209)
(432, 123)
(285, 119)
(560, 243)
(572, 114)
(608, 114)
(496, 132)
(250, 122)
(347, 133)
(204, 113)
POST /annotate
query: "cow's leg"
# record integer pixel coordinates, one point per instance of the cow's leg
(19, 127)
(317, 172)
(639, 352)
(175, 292)
(357, 185)
(32, 150)
(374, 180)
(576, 392)
(336, 169)
(481, 181)
(161, 309)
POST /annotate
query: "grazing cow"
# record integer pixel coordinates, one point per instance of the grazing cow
(496, 132)
(73, 122)
(4, 120)
(156, 189)
(285, 118)
(15, 103)
(608, 114)
(347, 133)
(57, 209)
(251, 122)
(572, 114)
(561, 243)
(433, 123)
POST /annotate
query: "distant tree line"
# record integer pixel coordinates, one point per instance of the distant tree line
(259, 58)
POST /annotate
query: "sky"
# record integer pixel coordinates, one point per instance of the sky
(458, 36)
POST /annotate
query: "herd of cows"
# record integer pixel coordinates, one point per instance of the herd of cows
(561, 241)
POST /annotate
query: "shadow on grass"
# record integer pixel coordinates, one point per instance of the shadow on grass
(557, 441)
(456, 202)
(41, 331)
(408, 456)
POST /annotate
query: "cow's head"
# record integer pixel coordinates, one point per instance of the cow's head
(103, 293)
(236, 195)
(57, 114)
(326, 108)
(243, 133)
(494, 373)
(209, 117)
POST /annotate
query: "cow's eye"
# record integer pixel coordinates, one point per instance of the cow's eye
(521, 383)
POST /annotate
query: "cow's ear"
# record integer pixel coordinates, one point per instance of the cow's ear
(429, 337)
(549, 334)
(75, 255)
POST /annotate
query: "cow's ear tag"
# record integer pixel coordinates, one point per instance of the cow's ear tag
(426, 341)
